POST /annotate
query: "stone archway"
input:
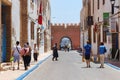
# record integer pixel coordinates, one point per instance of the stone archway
(64, 42)
(70, 31)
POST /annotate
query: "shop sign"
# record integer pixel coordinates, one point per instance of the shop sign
(113, 25)
(105, 19)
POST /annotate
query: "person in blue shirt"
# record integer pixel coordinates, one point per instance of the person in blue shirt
(102, 50)
(87, 53)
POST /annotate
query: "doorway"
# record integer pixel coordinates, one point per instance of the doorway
(6, 32)
(65, 41)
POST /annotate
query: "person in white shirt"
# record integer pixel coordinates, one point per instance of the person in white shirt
(36, 52)
(16, 54)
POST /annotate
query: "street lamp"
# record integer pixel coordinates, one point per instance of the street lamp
(112, 5)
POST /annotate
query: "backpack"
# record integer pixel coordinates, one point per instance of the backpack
(105, 50)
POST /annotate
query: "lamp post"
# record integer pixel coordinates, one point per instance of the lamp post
(112, 6)
(119, 29)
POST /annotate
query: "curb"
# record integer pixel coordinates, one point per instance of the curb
(115, 67)
(33, 68)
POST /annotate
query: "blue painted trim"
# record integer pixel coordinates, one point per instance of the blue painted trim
(4, 53)
(115, 67)
(32, 69)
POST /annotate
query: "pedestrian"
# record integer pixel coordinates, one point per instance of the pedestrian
(80, 49)
(65, 47)
(87, 53)
(55, 52)
(68, 47)
(16, 54)
(25, 55)
(35, 53)
(29, 54)
(102, 50)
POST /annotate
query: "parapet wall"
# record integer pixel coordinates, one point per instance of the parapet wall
(71, 31)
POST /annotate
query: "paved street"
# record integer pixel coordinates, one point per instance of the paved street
(70, 67)
(9, 74)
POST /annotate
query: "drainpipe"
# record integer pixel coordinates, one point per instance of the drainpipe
(119, 30)
(0, 37)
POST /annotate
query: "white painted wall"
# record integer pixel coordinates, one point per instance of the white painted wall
(99, 13)
(82, 21)
(32, 13)
(33, 16)
(15, 21)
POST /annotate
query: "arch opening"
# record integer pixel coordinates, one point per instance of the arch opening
(65, 41)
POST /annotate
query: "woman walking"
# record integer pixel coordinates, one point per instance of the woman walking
(55, 52)
(25, 55)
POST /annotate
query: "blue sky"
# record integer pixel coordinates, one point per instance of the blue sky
(65, 11)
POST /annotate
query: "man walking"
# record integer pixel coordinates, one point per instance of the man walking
(87, 53)
(102, 50)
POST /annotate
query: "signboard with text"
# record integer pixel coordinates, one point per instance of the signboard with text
(106, 19)
(113, 25)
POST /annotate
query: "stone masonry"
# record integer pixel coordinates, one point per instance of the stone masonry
(72, 31)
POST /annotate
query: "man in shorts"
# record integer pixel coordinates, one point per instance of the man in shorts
(87, 53)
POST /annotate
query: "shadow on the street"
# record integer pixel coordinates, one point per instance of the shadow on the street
(84, 67)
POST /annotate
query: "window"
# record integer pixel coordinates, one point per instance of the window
(32, 0)
(32, 4)
(32, 30)
(104, 36)
(94, 35)
(103, 2)
(98, 19)
(98, 4)
(93, 6)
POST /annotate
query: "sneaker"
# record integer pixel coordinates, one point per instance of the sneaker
(13, 68)
(52, 59)
(103, 67)
(26, 68)
(89, 66)
(18, 68)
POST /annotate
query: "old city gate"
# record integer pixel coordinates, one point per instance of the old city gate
(65, 34)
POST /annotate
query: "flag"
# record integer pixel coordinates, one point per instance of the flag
(40, 14)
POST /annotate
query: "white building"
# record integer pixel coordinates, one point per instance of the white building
(19, 22)
(99, 31)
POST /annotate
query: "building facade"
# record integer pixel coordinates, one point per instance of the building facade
(105, 27)
(65, 34)
(19, 22)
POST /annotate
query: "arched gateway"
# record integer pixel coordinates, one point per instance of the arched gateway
(64, 34)
(65, 41)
